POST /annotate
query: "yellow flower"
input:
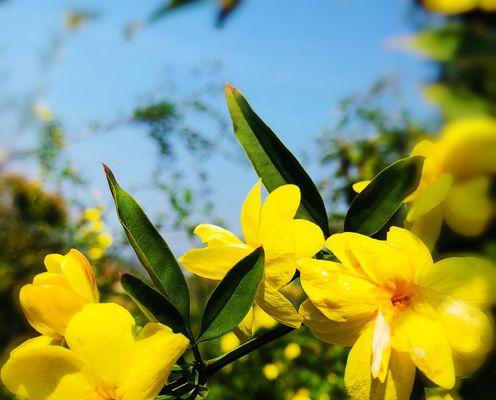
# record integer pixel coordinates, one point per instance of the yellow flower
(271, 226)
(455, 181)
(302, 394)
(96, 253)
(271, 371)
(229, 342)
(292, 351)
(459, 6)
(400, 311)
(55, 296)
(92, 214)
(105, 240)
(104, 360)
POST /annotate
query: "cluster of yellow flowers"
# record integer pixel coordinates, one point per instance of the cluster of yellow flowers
(93, 233)
(398, 309)
(87, 350)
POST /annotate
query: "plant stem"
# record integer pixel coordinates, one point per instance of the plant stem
(196, 353)
(217, 364)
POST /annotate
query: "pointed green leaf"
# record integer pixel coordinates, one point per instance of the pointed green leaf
(151, 249)
(153, 304)
(375, 205)
(272, 161)
(232, 298)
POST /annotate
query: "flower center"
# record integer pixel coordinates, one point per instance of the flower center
(402, 297)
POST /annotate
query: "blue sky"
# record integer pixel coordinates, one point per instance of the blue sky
(293, 59)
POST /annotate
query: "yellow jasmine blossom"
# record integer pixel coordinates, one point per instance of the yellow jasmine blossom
(455, 181)
(459, 6)
(104, 360)
(271, 226)
(400, 311)
(55, 296)
(271, 371)
(292, 351)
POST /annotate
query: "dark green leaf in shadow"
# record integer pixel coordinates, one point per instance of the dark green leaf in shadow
(376, 204)
(151, 249)
(272, 161)
(232, 298)
(154, 305)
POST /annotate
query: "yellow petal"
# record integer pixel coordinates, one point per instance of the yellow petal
(49, 308)
(53, 263)
(277, 306)
(487, 5)
(428, 227)
(470, 334)
(285, 244)
(102, 335)
(157, 350)
(338, 294)
(38, 341)
(47, 373)
(360, 186)
(468, 208)
(78, 272)
(381, 261)
(469, 147)
(280, 206)
(244, 331)
(262, 320)
(381, 347)
(358, 379)
(429, 197)
(417, 251)
(214, 262)
(250, 215)
(215, 236)
(423, 337)
(341, 333)
(469, 279)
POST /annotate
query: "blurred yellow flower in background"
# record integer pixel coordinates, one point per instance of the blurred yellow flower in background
(55, 296)
(302, 394)
(92, 214)
(271, 371)
(456, 179)
(104, 360)
(400, 311)
(455, 182)
(459, 6)
(283, 238)
(292, 351)
(42, 112)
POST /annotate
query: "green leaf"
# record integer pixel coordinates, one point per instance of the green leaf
(272, 161)
(376, 204)
(154, 305)
(151, 249)
(232, 298)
